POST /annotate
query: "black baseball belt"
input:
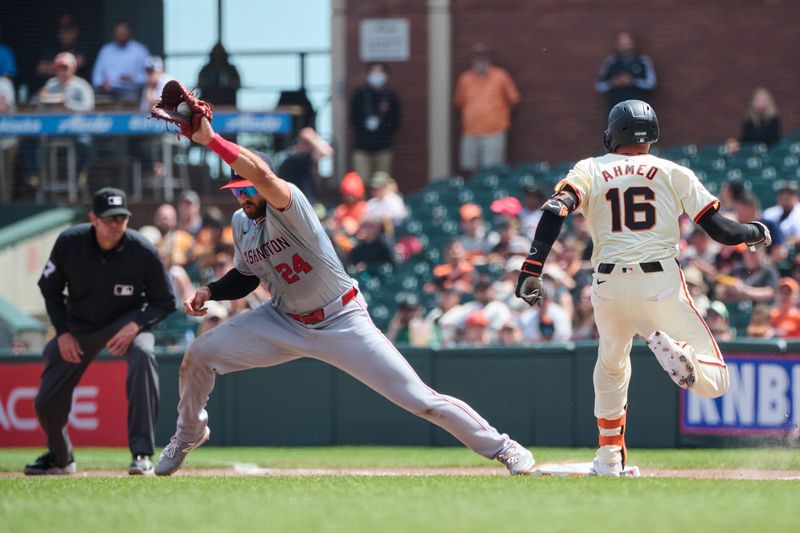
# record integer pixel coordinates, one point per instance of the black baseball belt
(647, 268)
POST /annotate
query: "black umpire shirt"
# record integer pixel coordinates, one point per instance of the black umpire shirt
(104, 285)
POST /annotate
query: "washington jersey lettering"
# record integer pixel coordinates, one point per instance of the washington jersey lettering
(291, 253)
(632, 205)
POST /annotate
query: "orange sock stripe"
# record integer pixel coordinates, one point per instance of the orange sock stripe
(614, 440)
(605, 423)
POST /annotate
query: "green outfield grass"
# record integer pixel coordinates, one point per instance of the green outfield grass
(435, 503)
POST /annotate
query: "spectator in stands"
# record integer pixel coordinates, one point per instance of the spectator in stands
(218, 79)
(301, 164)
(456, 273)
(532, 199)
(189, 218)
(448, 315)
(66, 90)
(173, 260)
(145, 148)
(372, 249)
(486, 300)
(786, 213)
(173, 240)
(476, 329)
(385, 203)
(729, 192)
(509, 241)
(755, 279)
(66, 41)
(484, 95)
(8, 145)
(627, 74)
(154, 83)
(8, 64)
(717, 319)
(375, 116)
(215, 232)
(473, 238)
(549, 322)
(510, 334)
(785, 316)
(120, 66)
(350, 212)
(407, 320)
(760, 326)
(701, 251)
(583, 324)
(749, 206)
(761, 124)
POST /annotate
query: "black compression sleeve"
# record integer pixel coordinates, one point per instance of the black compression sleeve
(546, 234)
(233, 285)
(549, 228)
(727, 231)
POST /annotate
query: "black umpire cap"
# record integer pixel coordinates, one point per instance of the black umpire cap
(109, 201)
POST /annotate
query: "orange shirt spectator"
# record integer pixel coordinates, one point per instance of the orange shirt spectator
(785, 316)
(350, 212)
(485, 95)
(456, 273)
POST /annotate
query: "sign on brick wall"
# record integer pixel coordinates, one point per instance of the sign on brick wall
(385, 40)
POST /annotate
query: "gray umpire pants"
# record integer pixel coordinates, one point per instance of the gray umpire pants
(59, 379)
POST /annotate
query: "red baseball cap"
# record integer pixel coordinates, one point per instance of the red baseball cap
(508, 206)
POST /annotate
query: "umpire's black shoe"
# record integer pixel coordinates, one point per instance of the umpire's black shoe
(141, 466)
(45, 465)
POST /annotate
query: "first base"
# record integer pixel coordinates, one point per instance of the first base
(578, 470)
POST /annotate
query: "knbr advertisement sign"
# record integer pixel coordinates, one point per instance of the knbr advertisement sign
(99, 406)
(763, 398)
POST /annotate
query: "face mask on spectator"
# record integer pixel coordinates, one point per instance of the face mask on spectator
(376, 79)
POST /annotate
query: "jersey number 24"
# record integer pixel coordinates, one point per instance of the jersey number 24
(290, 273)
(639, 212)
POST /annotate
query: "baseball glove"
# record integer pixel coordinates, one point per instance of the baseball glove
(179, 106)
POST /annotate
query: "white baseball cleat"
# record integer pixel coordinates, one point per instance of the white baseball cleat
(674, 357)
(175, 453)
(518, 459)
(613, 470)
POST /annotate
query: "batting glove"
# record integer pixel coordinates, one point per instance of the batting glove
(764, 237)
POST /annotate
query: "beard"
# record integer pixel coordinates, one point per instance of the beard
(255, 209)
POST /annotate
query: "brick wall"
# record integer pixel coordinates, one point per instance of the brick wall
(708, 57)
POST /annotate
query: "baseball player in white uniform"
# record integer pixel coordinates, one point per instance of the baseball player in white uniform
(316, 311)
(632, 201)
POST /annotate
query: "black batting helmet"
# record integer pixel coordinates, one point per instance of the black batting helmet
(630, 122)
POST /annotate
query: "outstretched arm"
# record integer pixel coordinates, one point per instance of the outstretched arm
(246, 164)
(727, 231)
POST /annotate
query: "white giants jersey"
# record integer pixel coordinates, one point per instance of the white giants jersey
(632, 204)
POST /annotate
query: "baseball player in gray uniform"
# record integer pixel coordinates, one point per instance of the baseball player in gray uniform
(316, 312)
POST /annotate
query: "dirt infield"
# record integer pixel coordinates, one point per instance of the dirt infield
(241, 470)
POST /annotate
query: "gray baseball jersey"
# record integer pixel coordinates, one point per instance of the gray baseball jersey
(290, 252)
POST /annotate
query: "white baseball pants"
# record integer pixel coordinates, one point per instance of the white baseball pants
(627, 302)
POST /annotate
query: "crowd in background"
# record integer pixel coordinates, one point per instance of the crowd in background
(737, 291)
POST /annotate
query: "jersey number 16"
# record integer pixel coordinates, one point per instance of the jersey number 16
(639, 215)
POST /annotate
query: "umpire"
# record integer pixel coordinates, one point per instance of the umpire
(117, 289)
